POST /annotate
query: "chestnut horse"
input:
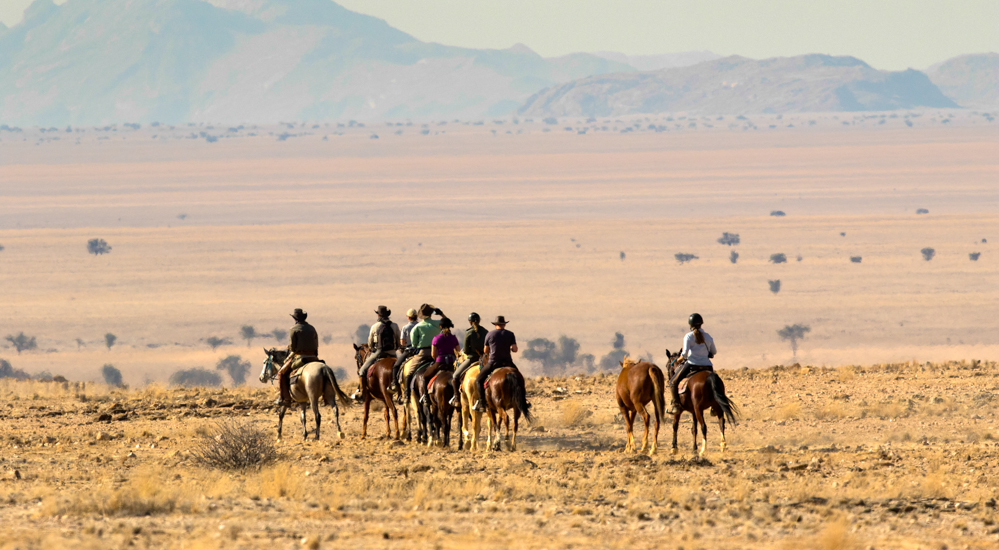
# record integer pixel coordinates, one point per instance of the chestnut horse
(379, 381)
(505, 390)
(439, 409)
(638, 384)
(705, 390)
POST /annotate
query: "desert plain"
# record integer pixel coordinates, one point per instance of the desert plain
(877, 432)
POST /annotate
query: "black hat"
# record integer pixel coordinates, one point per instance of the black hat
(695, 320)
(473, 317)
(500, 320)
(383, 311)
(299, 315)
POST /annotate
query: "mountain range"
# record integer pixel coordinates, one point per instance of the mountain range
(91, 62)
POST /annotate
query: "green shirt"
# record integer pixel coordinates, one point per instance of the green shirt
(423, 333)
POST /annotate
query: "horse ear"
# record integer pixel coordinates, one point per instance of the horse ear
(668, 354)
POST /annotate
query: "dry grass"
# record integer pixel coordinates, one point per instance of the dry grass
(574, 413)
(789, 411)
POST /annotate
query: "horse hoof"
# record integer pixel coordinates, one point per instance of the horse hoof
(675, 451)
(339, 435)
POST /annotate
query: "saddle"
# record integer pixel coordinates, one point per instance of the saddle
(295, 374)
(681, 388)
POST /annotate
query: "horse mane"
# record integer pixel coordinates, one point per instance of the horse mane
(627, 362)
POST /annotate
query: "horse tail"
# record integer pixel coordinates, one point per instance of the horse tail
(520, 396)
(331, 378)
(729, 409)
(658, 386)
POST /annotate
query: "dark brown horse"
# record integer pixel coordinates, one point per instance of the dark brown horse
(418, 398)
(638, 384)
(379, 380)
(705, 390)
(505, 390)
(439, 408)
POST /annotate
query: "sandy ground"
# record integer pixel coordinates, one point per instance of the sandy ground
(899, 456)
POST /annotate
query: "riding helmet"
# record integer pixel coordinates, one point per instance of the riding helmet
(473, 317)
(695, 320)
(447, 323)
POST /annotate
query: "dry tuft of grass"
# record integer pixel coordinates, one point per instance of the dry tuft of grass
(790, 411)
(830, 411)
(574, 413)
(234, 445)
(835, 536)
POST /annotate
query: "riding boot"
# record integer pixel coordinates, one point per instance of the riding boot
(284, 386)
(674, 404)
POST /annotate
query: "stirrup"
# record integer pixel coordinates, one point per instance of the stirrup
(478, 406)
(394, 387)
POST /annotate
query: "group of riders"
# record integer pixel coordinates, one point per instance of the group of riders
(433, 341)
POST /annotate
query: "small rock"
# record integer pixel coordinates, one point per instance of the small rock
(312, 543)
(104, 417)
(103, 436)
(539, 429)
(12, 475)
(209, 402)
(130, 455)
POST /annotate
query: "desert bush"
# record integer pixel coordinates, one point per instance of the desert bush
(1, 248)
(8, 371)
(80, 343)
(790, 411)
(98, 247)
(928, 253)
(622, 255)
(612, 361)
(856, 259)
(774, 285)
(21, 342)
(729, 239)
(214, 342)
(574, 413)
(195, 377)
(793, 333)
(327, 338)
(281, 335)
(109, 340)
(777, 213)
(361, 334)
(235, 367)
(733, 256)
(111, 375)
(974, 256)
(831, 411)
(683, 257)
(922, 211)
(778, 258)
(248, 333)
(234, 445)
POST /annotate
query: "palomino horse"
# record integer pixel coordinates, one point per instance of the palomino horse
(505, 390)
(705, 390)
(471, 421)
(316, 379)
(377, 387)
(439, 409)
(638, 384)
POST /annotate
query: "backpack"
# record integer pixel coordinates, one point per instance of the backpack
(386, 337)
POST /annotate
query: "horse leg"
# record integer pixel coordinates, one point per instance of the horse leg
(676, 426)
(305, 425)
(721, 429)
(281, 410)
(506, 425)
(390, 408)
(319, 417)
(655, 438)
(629, 418)
(704, 433)
(645, 419)
(516, 421)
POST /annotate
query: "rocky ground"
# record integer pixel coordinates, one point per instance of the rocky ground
(885, 456)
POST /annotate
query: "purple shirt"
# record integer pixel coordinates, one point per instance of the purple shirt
(445, 344)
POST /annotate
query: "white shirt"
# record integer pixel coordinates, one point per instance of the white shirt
(697, 354)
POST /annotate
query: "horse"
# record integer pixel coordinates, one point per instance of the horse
(638, 384)
(505, 390)
(470, 420)
(705, 390)
(439, 409)
(316, 379)
(377, 387)
(418, 396)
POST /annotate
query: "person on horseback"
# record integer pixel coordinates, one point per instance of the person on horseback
(382, 341)
(498, 346)
(444, 347)
(422, 337)
(303, 348)
(406, 350)
(475, 342)
(698, 349)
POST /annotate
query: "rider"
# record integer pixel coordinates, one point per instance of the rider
(303, 348)
(698, 349)
(405, 350)
(498, 345)
(444, 347)
(475, 341)
(422, 337)
(383, 339)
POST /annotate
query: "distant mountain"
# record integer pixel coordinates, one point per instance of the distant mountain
(101, 61)
(736, 85)
(660, 61)
(970, 80)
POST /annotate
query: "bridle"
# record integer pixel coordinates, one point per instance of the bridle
(269, 371)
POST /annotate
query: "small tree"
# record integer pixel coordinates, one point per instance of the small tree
(281, 335)
(778, 258)
(1, 248)
(729, 239)
(613, 359)
(922, 211)
(98, 247)
(683, 258)
(974, 256)
(80, 343)
(235, 367)
(856, 259)
(8, 371)
(195, 377)
(214, 342)
(774, 286)
(777, 213)
(327, 338)
(109, 340)
(361, 334)
(622, 255)
(793, 333)
(928, 253)
(248, 333)
(555, 358)
(22, 342)
(733, 257)
(112, 376)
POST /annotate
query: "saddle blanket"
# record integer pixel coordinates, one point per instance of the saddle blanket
(297, 373)
(681, 388)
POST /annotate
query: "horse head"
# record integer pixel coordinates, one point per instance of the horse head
(674, 362)
(360, 354)
(627, 362)
(274, 358)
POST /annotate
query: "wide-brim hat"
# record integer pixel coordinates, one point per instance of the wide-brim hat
(500, 320)
(411, 313)
(383, 311)
(299, 315)
(426, 310)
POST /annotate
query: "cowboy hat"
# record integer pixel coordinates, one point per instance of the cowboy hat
(500, 320)
(383, 311)
(299, 315)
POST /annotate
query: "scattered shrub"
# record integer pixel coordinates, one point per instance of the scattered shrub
(729, 239)
(683, 258)
(361, 334)
(98, 247)
(109, 340)
(793, 333)
(574, 413)
(555, 358)
(733, 256)
(922, 211)
(248, 333)
(281, 335)
(612, 360)
(214, 342)
(928, 253)
(234, 445)
(778, 258)
(195, 377)
(856, 259)
(80, 343)
(22, 342)
(327, 338)
(622, 255)
(974, 256)
(774, 286)
(777, 213)
(1, 248)
(8, 371)
(235, 367)
(111, 375)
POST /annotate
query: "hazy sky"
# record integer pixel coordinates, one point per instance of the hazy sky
(888, 34)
